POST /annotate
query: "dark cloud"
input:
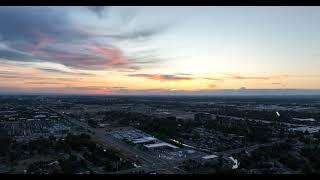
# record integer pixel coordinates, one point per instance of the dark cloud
(144, 58)
(13, 54)
(34, 78)
(98, 10)
(251, 77)
(47, 34)
(221, 92)
(162, 77)
(46, 83)
(140, 91)
(28, 29)
(87, 88)
(140, 33)
(65, 72)
(279, 84)
(20, 26)
(56, 90)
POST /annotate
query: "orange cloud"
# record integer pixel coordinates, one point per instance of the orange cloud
(39, 52)
(251, 77)
(115, 55)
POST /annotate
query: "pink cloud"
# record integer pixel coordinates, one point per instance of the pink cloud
(42, 41)
(39, 52)
(114, 56)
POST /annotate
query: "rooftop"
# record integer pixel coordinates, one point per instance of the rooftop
(143, 140)
(209, 156)
(160, 145)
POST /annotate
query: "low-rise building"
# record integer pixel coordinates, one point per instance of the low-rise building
(160, 146)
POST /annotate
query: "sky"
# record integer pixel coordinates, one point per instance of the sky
(159, 50)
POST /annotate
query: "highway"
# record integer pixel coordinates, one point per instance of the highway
(148, 160)
(149, 163)
(152, 163)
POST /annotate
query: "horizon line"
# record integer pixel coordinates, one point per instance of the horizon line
(216, 92)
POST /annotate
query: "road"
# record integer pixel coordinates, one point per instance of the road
(148, 160)
(248, 149)
(149, 163)
(263, 121)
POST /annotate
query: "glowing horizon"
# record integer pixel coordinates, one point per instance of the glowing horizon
(125, 50)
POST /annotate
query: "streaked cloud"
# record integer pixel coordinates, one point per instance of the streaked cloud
(36, 78)
(65, 72)
(162, 77)
(251, 77)
(9, 74)
(108, 49)
(222, 92)
(184, 74)
(119, 87)
(213, 79)
(48, 34)
(114, 56)
(89, 88)
(42, 42)
(212, 85)
(45, 83)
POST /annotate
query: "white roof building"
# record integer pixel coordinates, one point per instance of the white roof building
(304, 119)
(309, 129)
(40, 116)
(209, 157)
(156, 145)
(143, 140)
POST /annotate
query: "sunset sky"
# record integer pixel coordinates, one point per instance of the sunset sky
(158, 50)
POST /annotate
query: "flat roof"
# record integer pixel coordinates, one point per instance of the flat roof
(209, 156)
(304, 119)
(143, 140)
(308, 129)
(160, 145)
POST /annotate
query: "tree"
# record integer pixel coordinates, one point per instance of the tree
(4, 142)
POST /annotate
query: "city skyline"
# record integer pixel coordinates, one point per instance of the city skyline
(160, 50)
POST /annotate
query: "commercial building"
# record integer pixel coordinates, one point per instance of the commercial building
(208, 157)
(160, 146)
(144, 140)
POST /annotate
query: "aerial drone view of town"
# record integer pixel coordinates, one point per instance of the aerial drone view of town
(170, 135)
(174, 90)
